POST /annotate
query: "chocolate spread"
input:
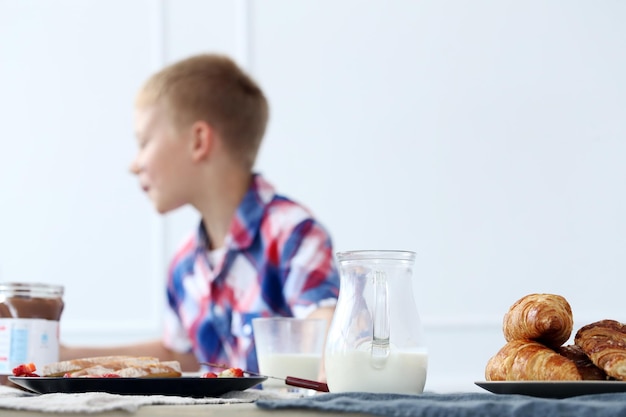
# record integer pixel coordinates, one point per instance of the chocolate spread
(31, 301)
(31, 308)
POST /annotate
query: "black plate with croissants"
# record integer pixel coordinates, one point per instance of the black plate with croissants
(536, 328)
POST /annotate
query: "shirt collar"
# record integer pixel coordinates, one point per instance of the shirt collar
(247, 220)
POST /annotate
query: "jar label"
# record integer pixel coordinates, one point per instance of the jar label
(27, 340)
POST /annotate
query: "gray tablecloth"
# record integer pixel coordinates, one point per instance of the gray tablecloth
(458, 405)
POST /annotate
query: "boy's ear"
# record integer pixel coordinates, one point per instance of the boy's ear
(201, 140)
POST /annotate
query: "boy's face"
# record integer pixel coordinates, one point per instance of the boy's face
(163, 162)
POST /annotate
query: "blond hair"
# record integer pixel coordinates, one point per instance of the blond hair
(214, 89)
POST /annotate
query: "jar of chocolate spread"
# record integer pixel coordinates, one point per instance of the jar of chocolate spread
(29, 324)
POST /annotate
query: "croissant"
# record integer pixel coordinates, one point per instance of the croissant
(527, 360)
(587, 369)
(545, 318)
(605, 343)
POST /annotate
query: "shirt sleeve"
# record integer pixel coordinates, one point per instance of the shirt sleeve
(174, 336)
(311, 279)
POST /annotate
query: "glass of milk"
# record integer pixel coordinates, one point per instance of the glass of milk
(287, 346)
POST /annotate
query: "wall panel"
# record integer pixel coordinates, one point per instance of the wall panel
(71, 212)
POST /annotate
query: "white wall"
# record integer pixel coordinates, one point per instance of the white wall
(487, 136)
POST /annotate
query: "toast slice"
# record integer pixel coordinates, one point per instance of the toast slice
(169, 369)
(98, 364)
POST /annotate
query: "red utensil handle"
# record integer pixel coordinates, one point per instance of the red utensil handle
(306, 383)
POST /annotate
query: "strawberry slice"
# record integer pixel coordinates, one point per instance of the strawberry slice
(25, 369)
(231, 373)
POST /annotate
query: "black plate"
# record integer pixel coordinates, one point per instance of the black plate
(183, 387)
(552, 389)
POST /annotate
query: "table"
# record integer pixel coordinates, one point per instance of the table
(352, 404)
(204, 410)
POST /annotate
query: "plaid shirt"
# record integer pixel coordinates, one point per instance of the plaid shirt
(278, 261)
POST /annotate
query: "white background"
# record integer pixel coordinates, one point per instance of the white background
(487, 136)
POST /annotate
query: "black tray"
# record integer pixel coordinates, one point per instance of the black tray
(183, 386)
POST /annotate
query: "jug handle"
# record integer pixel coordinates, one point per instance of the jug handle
(380, 342)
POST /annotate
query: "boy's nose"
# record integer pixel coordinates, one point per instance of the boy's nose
(134, 167)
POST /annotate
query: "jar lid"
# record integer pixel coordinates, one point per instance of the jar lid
(31, 289)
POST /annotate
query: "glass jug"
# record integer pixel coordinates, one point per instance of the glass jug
(375, 342)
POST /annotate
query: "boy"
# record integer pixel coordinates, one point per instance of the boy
(199, 125)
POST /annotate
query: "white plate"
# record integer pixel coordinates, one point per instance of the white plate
(552, 389)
